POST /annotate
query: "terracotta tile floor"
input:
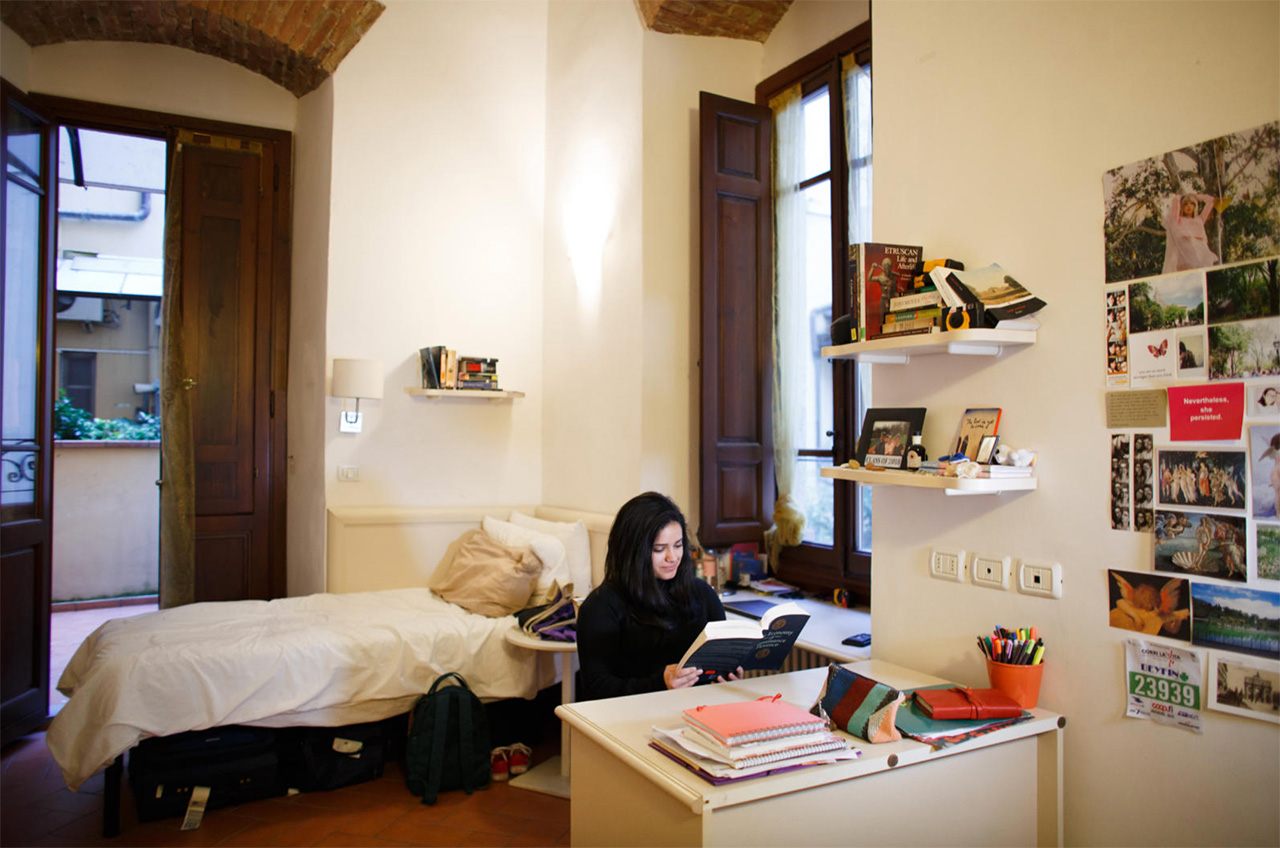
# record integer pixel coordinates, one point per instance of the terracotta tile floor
(37, 809)
(68, 629)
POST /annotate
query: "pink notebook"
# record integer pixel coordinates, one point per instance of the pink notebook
(751, 721)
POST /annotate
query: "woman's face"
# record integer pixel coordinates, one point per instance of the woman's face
(668, 550)
(1188, 207)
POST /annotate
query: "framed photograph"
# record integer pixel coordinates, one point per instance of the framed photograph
(987, 449)
(1244, 686)
(1201, 544)
(974, 425)
(886, 434)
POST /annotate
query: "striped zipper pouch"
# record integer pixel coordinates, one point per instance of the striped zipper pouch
(859, 705)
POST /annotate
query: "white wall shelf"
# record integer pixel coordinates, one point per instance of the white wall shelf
(950, 485)
(898, 351)
(462, 394)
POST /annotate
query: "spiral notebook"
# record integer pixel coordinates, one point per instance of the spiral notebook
(751, 721)
(671, 743)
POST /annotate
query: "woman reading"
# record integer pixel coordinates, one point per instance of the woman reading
(636, 625)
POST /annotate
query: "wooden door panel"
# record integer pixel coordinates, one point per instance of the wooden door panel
(225, 557)
(220, 280)
(736, 453)
(26, 405)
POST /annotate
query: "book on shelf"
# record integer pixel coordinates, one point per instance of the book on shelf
(1001, 296)
(922, 299)
(930, 312)
(724, 646)
(1006, 471)
(895, 330)
(879, 272)
(974, 425)
(431, 359)
(738, 722)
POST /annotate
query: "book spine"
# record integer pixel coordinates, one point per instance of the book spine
(894, 328)
(912, 314)
(915, 301)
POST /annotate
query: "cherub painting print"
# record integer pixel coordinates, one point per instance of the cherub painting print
(1150, 603)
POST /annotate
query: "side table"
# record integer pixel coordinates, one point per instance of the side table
(552, 776)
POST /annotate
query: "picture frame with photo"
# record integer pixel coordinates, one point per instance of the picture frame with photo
(1235, 618)
(987, 449)
(1266, 546)
(975, 424)
(886, 434)
(1244, 686)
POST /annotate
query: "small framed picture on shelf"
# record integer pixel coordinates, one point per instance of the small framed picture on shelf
(976, 424)
(886, 434)
(986, 449)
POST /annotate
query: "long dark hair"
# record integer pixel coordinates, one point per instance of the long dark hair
(628, 563)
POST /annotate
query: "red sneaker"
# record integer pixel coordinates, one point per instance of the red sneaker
(499, 764)
(518, 755)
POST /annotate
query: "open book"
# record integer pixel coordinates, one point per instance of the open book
(723, 646)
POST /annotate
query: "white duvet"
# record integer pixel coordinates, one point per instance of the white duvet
(320, 660)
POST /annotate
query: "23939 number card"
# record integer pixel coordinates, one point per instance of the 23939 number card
(1164, 684)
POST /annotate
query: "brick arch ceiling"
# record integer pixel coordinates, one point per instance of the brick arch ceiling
(297, 44)
(752, 20)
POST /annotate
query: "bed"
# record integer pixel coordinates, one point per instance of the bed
(328, 659)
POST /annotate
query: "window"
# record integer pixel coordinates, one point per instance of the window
(821, 109)
(77, 377)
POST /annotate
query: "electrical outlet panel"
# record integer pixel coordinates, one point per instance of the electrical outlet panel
(348, 473)
(991, 571)
(947, 565)
(1040, 578)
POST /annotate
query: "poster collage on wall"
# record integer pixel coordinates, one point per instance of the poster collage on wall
(1192, 311)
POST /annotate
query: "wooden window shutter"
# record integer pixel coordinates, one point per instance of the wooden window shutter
(735, 190)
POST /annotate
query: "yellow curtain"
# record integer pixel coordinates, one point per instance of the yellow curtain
(790, 325)
(177, 454)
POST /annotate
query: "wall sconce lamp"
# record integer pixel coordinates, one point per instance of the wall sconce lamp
(355, 378)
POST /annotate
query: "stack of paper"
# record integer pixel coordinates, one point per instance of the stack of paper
(750, 738)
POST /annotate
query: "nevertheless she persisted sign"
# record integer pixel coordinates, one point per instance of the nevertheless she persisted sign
(1206, 413)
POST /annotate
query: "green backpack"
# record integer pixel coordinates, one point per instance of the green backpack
(448, 743)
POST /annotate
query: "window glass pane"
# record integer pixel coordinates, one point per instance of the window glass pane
(864, 492)
(817, 307)
(817, 134)
(815, 496)
(18, 415)
(22, 147)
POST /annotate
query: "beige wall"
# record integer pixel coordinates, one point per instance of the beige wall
(808, 25)
(1027, 105)
(100, 552)
(307, 405)
(435, 237)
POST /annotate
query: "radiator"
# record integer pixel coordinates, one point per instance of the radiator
(798, 660)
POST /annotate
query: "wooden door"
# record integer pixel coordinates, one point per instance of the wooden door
(26, 386)
(737, 320)
(226, 274)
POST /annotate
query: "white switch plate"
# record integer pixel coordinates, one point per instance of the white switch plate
(947, 565)
(991, 571)
(1040, 578)
(348, 473)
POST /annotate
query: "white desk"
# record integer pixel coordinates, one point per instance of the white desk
(1001, 789)
(552, 776)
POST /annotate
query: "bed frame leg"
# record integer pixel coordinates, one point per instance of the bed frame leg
(111, 798)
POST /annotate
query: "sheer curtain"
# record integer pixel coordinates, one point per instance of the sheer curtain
(790, 323)
(177, 454)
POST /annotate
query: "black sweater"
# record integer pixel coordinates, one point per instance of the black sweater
(620, 656)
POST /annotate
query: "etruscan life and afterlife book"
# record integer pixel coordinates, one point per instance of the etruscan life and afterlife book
(724, 646)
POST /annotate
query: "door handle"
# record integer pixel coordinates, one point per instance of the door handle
(189, 383)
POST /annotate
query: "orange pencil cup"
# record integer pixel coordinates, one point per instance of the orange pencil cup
(1019, 682)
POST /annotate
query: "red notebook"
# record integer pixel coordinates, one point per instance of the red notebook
(962, 702)
(751, 721)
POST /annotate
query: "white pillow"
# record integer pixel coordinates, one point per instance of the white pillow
(546, 547)
(577, 546)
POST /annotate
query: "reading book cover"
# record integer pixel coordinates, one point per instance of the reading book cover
(1002, 297)
(882, 272)
(723, 646)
